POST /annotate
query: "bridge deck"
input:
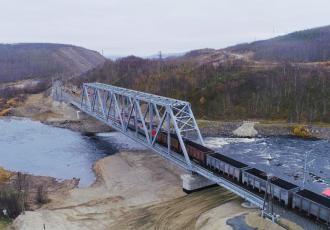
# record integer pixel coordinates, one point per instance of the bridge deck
(121, 108)
(179, 160)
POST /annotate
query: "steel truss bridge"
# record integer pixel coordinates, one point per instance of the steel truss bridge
(128, 111)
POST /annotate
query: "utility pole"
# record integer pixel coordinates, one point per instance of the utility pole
(306, 166)
(268, 206)
(160, 56)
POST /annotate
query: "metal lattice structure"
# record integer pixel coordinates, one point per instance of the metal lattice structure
(128, 110)
(141, 117)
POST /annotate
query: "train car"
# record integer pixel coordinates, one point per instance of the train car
(162, 138)
(175, 144)
(313, 204)
(280, 189)
(131, 127)
(226, 165)
(283, 190)
(197, 152)
(255, 178)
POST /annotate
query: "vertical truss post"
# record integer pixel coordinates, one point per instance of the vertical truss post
(150, 119)
(143, 121)
(168, 124)
(197, 130)
(120, 107)
(178, 132)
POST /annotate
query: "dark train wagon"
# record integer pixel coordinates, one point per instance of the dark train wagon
(283, 190)
(280, 189)
(226, 165)
(313, 204)
(175, 144)
(162, 138)
(197, 152)
(255, 178)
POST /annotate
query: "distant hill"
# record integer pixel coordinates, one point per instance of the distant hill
(312, 45)
(260, 80)
(44, 60)
(164, 55)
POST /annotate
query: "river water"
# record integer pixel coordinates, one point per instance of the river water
(283, 157)
(32, 147)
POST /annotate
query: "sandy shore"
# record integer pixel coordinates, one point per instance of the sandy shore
(133, 190)
(137, 190)
(125, 181)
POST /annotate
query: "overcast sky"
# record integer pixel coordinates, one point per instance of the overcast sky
(143, 27)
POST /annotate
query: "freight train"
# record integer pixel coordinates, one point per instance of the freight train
(255, 180)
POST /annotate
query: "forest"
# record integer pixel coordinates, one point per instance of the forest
(228, 91)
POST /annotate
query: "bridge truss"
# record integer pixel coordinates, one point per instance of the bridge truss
(141, 117)
(129, 110)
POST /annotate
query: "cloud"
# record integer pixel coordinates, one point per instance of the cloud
(146, 26)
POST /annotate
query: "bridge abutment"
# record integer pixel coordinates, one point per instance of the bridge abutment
(193, 182)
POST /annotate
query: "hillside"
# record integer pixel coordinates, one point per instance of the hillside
(311, 45)
(227, 91)
(43, 61)
(284, 78)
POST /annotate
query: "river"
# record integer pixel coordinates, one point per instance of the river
(287, 157)
(32, 147)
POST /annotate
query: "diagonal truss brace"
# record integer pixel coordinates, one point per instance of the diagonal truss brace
(141, 115)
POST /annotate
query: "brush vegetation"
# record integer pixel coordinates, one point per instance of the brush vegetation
(284, 78)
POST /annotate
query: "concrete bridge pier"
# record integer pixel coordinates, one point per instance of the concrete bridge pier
(193, 182)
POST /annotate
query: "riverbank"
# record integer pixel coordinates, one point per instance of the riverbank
(137, 190)
(41, 107)
(136, 185)
(133, 190)
(263, 129)
(34, 190)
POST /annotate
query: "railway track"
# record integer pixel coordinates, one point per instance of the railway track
(180, 150)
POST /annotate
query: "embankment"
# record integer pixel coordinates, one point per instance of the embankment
(263, 128)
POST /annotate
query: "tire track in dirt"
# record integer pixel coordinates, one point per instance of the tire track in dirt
(180, 213)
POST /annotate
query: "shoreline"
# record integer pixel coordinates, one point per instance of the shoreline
(135, 185)
(42, 108)
(125, 182)
(264, 129)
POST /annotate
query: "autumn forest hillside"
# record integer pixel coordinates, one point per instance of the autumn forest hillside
(285, 78)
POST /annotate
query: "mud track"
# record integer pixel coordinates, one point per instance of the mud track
(180, 213)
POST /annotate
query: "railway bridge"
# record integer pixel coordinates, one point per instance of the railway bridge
(142, 117)
(168, 127)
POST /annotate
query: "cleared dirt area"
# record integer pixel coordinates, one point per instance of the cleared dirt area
(125, 181)
(133, 190)
(136, 190)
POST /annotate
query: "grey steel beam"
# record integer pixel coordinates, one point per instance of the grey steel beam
(171, 112)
